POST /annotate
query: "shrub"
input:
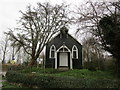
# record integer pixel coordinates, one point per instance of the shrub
(91, 66)
(28, 79)
(44, 81)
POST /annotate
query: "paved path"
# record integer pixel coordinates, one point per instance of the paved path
(1, 73)
(4, 73)
(0, 80)
(0, 84)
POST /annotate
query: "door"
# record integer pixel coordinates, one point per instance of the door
(63, 59)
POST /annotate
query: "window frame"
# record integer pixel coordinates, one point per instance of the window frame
(75, 49)
(52, 49)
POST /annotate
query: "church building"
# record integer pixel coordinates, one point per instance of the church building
(63, 51)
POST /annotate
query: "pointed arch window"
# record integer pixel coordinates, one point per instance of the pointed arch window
(74, 52)
(52, 51)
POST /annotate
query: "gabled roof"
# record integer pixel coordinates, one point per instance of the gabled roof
(74, 39)
(54, 37)
(68, 34)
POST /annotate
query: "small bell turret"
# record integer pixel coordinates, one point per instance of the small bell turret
(64, 30)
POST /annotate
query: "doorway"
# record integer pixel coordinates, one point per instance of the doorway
(63, 59)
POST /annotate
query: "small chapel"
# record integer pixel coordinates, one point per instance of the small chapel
(63, 51)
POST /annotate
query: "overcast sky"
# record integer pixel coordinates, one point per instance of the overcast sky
(9, 10)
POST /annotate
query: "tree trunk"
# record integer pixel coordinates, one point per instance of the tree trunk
(31, 63)
(3, 61)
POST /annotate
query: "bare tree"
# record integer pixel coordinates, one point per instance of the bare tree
(89, 15)
(4, 48)
(92, 52)
(89, 18)
(37, 27)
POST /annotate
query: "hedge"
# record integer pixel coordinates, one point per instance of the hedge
(43, 81)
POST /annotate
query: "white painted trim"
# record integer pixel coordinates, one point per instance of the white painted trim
(75, 51)
(64, 47)
(55, 60)
(71, 67)
(52, 50)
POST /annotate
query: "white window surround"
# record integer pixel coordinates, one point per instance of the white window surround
(75, 49)
(52, 49)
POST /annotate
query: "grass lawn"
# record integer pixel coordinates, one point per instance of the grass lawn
(77, 73)
(84, 73)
